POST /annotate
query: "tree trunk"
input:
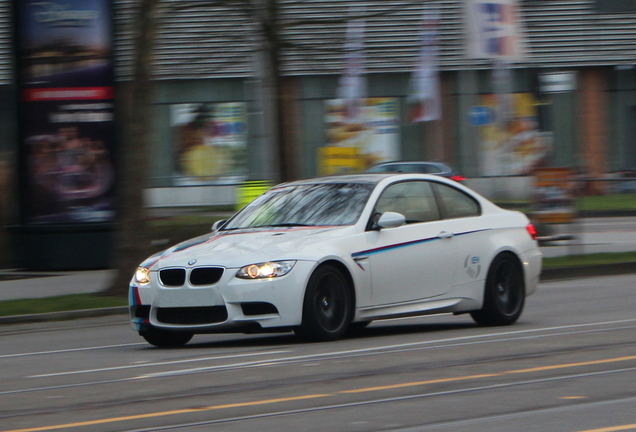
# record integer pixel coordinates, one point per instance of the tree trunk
(132, 243)
(271, 33)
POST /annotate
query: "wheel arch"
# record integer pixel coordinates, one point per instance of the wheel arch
(515, 255)
(517, 260)
(502, 302)
(348, 277)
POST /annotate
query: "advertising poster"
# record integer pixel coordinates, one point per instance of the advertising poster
(354, 147)
(66, 127)
(210, 142)
(554, 195)
(518, 148)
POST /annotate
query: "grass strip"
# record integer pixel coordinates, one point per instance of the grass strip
(607, 202)
(614, 202)
(589, 259)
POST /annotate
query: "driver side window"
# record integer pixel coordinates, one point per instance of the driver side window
(414, 199)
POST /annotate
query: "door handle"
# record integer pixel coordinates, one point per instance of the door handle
(445, 234)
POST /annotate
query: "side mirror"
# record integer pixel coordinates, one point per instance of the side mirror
(218, 224)
(391, 220)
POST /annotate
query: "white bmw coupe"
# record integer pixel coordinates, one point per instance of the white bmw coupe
(329, 255)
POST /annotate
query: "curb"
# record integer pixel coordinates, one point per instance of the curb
(605, 213)
(612, 269)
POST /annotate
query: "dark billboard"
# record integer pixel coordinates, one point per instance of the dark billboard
(66, 124)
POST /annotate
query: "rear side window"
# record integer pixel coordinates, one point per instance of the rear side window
(455, 203)
(404, 168)
(414, 199)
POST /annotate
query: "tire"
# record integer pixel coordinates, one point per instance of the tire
(327, 306)
(504, 293)
(166, 338)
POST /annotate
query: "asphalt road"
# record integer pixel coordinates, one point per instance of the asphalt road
(568, 365)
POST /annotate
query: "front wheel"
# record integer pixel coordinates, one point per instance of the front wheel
(327, 307)
(166, 338)
(504, 293)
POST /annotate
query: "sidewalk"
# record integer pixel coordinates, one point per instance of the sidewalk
(29, 285)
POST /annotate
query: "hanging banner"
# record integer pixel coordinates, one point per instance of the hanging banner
(493, 30)
(66, 114)
(355, 147)
(352, 88)
(424, 93)
(210, 142)
(502, 84)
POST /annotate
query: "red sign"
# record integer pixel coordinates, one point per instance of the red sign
(72, 93)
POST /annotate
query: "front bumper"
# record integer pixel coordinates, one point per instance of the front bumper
(230, 304)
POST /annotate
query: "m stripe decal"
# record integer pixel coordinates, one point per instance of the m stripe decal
(405, 244)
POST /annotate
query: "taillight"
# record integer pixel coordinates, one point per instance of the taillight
(532, 231)
(458, 178)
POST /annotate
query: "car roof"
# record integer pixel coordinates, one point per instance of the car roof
(409, 162)
(364, 178)
(345, 178)
(440, 164)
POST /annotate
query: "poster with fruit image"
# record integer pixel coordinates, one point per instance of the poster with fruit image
(516, 146)
(210, 142)
(372, 138)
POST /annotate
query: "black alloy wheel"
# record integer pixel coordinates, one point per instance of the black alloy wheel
(504, 293)
(327, 308)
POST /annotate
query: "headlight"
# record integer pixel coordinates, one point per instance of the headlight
(265, 270)
(142, 275)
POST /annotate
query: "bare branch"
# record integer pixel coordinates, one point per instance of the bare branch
(316, 47)
(171, 6)
(218, 67)
(322, 21)
(248, 9)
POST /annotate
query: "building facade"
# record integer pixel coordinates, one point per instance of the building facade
(204, 56)
(574, 91)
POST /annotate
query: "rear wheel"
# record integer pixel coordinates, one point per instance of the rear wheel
(327, 307)
(166, 338)
(504, 293)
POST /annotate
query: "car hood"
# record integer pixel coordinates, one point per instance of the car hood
(241, 247)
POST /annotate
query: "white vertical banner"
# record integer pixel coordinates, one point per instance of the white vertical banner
(424, 89)
(493, 30)
(352, 87)
(502, 84)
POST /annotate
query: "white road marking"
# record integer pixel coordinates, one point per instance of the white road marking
(314, 357)
(167, 363)
(70, 350)
(353, 353)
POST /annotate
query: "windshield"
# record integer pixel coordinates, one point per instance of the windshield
(322, 204)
